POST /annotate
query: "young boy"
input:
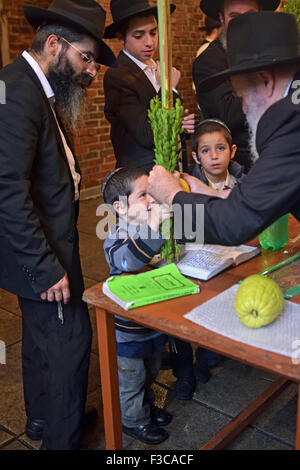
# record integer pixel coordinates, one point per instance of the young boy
(129, 246)
(213, 152)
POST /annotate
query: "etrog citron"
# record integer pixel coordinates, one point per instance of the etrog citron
(258, 301)
(184, 185)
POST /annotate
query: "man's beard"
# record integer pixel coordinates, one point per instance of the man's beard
(254, 113)
(70, 91)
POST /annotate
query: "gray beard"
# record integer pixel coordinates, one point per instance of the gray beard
(255, 112)
(72, 110)
(252, 128)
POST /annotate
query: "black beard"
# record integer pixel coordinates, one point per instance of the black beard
(70, 90)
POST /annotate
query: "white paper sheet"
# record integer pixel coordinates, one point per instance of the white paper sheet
(282, 336)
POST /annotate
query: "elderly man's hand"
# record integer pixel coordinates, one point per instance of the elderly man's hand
(196, 186)
(162, 185)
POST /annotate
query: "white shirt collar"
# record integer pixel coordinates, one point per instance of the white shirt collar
(288, 88)
(228, 183)
(138, 62)
(41, 76)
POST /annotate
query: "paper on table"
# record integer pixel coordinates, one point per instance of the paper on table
(218, 314)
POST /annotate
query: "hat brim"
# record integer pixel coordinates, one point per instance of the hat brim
(212, 7)
(215, 80)
(37, 16)
(111, 30)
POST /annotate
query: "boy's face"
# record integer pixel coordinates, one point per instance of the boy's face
(139, 202)
(141, 38)
(214, 154)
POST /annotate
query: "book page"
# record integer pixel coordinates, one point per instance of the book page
(238, 253)
(203, 261)
(202, 264)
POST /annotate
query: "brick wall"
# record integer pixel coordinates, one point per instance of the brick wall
(91, 141)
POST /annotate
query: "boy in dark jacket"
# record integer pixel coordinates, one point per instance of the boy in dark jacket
(213, 152)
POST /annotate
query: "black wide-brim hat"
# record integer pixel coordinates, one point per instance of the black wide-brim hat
(85, 15)
(123, 10)
(213, 7)
(257, 41)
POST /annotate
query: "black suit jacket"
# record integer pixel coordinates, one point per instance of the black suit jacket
(221, 102)
(270, 189)
(37, 213)
(128, 93)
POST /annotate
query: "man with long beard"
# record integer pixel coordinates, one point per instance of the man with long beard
(221, 102)
(264, 66)
(39, 194)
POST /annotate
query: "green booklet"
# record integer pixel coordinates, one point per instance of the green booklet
(136, 290)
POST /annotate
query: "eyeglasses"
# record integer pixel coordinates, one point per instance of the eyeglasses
(86, 59)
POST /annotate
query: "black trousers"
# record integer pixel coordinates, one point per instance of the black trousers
(55, 358)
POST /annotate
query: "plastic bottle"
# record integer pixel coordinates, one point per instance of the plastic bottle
(276, 235)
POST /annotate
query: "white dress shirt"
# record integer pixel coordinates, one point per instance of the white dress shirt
(149, 70)
(51, 97)
(229, 182)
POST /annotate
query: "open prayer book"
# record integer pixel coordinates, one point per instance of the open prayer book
(205, 261)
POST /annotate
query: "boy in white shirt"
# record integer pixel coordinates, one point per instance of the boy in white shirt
(130, 87)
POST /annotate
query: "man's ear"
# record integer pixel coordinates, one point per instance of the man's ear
(120, 37)
(267, 81)
(52, 45)
(233, 151)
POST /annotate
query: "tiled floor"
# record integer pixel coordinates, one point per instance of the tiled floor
(233, 385)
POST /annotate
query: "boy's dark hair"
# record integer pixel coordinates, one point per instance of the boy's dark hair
(209, 126)
(118, 183)
(124, 25)
(61, 30)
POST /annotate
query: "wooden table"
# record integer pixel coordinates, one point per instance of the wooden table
(168, 317)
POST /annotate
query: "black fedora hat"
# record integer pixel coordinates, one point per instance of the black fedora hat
(213, 7)
(123, 10)
(210, 23)
(257, 41)
(86, 15)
